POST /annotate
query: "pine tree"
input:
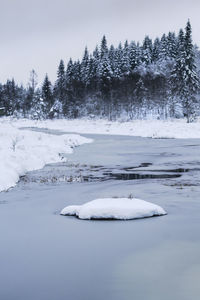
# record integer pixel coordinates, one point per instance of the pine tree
(33, 80)
(10, 97)
(111, 56)
(69, 73)
(125, 63)
(104, 47)
(190, 77)
(147, 50)
(163, 53)
(133, 59)
(184, 79)
(85, 67)
(47, 94)
(172, 45)
(60, 83)
(105, 76)
(77, 86)
(156, 50)
(118, 62)
(68, 103)
(30, 96)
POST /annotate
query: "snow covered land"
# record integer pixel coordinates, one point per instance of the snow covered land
(176, 128)
(114, 208)
(22, 151)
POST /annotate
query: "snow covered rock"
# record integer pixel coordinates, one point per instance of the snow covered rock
(114, 208)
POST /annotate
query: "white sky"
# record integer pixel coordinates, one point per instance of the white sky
(36, 34)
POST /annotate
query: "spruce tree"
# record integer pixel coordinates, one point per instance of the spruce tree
(125, 63)
(172, 45)
(163, 53)
(104, 47)
(111, 56)
(47, 94)
(156, 50)
(190, 77)
(133, 61)
(85, 67)
(105, 77)
(60, 83)
(68, 103)
(147, 50)
(118, 62)
(184, 78)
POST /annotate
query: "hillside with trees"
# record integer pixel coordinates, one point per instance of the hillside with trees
(158, 79)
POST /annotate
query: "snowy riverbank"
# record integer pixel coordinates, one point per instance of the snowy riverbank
(22, 151)
(144, 128)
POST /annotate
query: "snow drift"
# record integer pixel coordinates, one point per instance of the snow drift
(25, 150)
(114, 208)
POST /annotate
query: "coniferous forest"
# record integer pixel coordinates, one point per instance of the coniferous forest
(158, 79)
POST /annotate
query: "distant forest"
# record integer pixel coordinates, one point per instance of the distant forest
(158, 79)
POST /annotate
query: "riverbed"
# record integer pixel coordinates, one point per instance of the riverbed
(46, 256)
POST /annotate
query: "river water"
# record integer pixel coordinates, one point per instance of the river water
(45, 256)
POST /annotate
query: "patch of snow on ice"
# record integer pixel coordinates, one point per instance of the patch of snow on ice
(114, 208)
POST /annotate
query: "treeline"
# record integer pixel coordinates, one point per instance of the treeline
(159, 78)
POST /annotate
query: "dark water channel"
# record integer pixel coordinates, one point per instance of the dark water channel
(45, 256)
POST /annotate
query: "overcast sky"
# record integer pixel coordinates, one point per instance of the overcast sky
(36, 34)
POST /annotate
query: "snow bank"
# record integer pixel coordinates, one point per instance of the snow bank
(22, 151)
(114, 208)
(144, 128)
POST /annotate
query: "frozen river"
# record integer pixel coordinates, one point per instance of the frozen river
(45, 256)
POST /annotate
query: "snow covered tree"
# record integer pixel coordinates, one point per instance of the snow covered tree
(140, 93)
(30, 97)
(184, 78)
(85, 68)
(133, 57)
(125, 63)
(147, 49)
(33, 80)
(60, 82)
(105, 74)
(118, 62)
(156, 50)
(47, 94)
(171, 45)
(190, 77)
(103, 47)
(111, 56)
(68, 88)
(163, 53)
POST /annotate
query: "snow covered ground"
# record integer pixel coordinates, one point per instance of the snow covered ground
(144, 128)
(114, 208)
(24, 150)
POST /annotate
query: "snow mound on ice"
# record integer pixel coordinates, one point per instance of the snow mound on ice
(114, 208)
